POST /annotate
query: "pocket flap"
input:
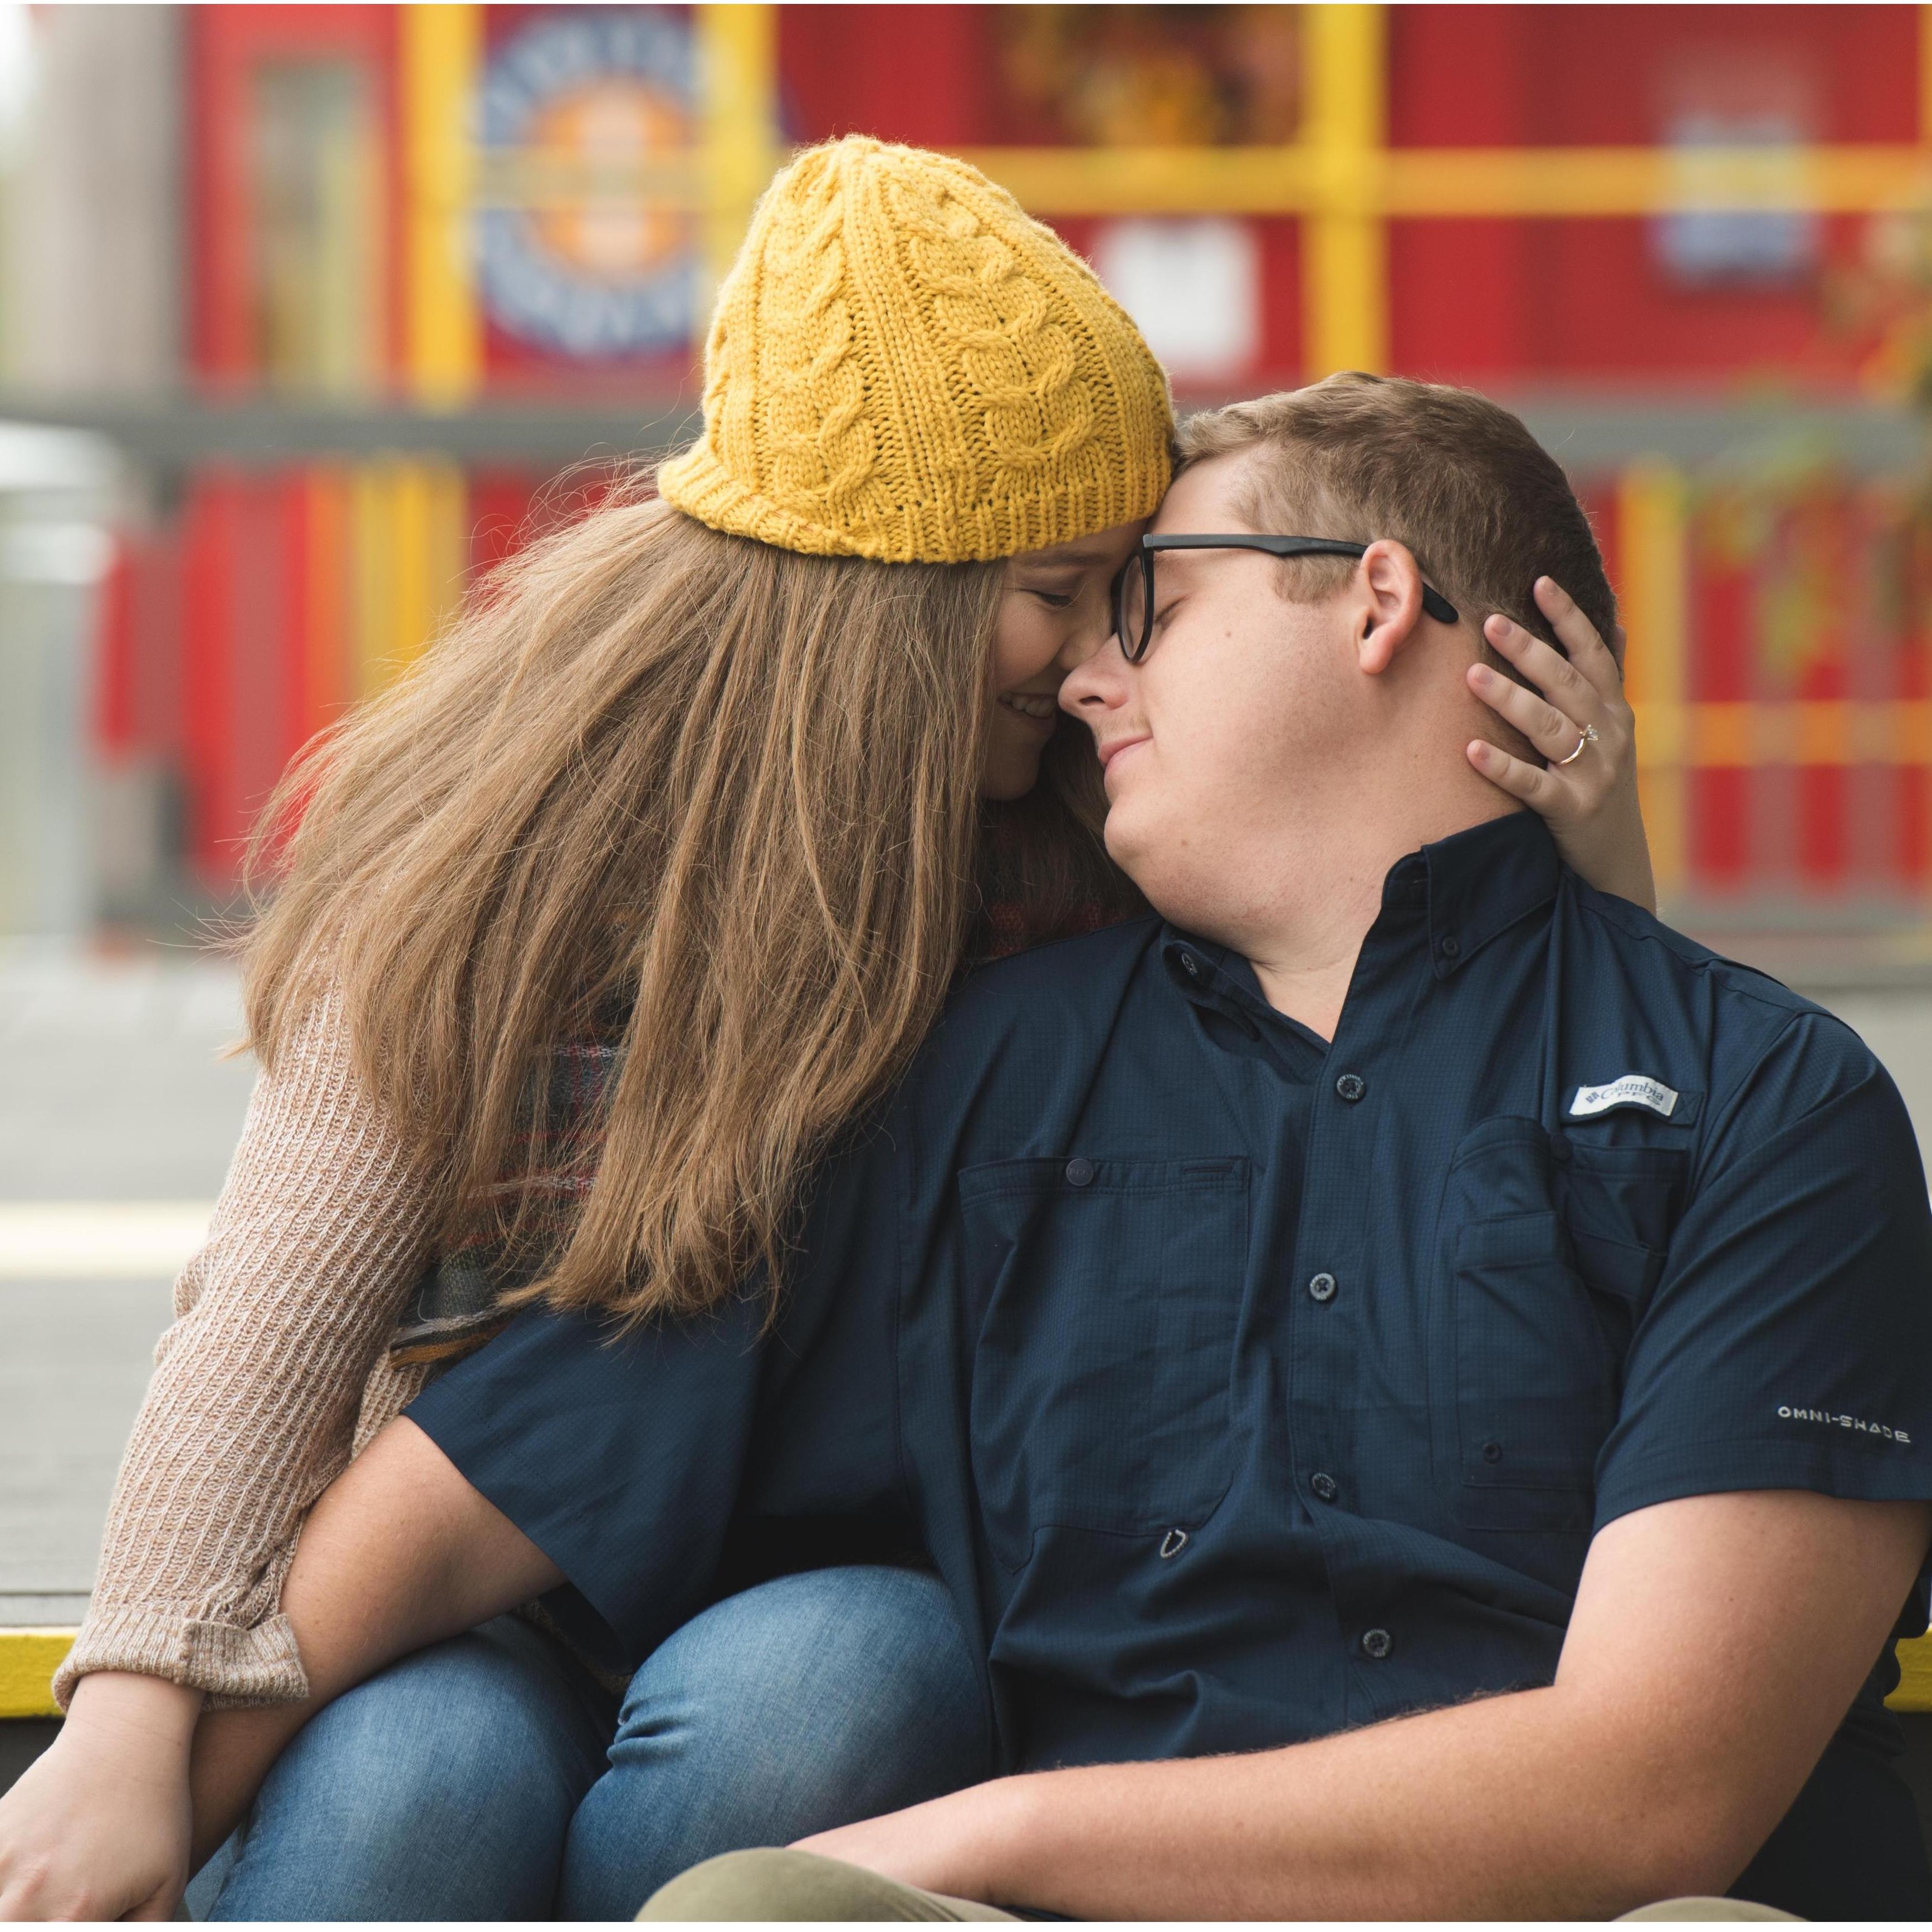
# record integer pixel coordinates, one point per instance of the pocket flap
(1515, 1238)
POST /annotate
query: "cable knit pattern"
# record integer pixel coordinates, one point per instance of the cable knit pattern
(273, 1375)
(903, 365)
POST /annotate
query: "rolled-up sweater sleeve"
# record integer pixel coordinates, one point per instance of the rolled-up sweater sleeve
(323, 1226)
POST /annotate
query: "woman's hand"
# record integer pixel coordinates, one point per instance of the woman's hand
(1591, 804)
(98, 1826)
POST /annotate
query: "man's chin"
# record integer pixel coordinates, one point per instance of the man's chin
(1139, 850)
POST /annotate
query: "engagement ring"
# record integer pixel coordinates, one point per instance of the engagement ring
(1589, 737)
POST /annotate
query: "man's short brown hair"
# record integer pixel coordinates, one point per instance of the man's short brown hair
(1484, 507)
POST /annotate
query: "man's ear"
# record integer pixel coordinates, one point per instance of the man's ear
(1388, 603)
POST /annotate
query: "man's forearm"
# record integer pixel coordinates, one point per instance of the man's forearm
(1715, 1645)
(399, 1553)
(1529, 1805)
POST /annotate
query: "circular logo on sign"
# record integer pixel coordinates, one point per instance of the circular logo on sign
(586, 95)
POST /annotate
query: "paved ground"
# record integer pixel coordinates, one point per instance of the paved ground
(111, 1090)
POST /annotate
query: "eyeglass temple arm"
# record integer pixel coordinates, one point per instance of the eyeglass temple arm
(1437, 606)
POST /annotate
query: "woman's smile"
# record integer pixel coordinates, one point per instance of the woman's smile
(1038, 707)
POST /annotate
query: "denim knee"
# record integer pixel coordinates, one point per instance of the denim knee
(443, 1788)
(805, 1703)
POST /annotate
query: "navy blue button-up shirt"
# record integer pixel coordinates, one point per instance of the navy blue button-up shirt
(1245, 1387)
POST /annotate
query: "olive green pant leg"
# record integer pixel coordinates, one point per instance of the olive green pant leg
(1709, 1911)
(748, 1887)
(742, 1887)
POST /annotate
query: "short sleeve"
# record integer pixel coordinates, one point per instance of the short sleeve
(1789, 1343)
(620, 1457)
(633, 1459)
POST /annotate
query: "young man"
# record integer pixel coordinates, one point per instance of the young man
(1415, 1376)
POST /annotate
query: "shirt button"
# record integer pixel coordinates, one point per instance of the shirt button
(1189, 966)
(1450, 947)
(1351, 1086)
(1377, 1643)
(1492, 1452)
(1321, 1287)
(1324, 1486)
(1079, 1171)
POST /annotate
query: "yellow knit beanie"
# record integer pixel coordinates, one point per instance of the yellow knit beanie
(903, 365)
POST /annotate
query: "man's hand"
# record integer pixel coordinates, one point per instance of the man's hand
(1716, 1644)
(96, 1828)
(956, 1844)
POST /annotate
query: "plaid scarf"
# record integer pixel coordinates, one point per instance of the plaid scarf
(455, 1307)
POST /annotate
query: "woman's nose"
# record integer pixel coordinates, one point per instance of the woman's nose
(1086, 687)
(1086, 641)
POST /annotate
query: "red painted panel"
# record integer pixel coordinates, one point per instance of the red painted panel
(1719, 811)
(1588, 301)
(501, 503)
(1824, 823)
(1584, 76)
(1460, 76)
(265, 660)
(1281, 354)
(1721, 854)
(1463, 301)
(209, 534)
(918, 74)
(320, 539)
(1912, 810)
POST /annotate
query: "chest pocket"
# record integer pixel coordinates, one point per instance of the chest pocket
(1551, 1254)
(1108, 1293)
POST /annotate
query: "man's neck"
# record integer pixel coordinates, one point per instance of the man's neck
(1303, 944)
(1304, 965)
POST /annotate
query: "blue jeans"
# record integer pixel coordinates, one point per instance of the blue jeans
(481, 1778)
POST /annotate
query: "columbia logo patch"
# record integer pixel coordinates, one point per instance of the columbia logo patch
(1633, 1090)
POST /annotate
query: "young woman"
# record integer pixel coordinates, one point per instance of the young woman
(586, 938)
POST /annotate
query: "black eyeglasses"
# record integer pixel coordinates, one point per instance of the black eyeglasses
(1133, 584)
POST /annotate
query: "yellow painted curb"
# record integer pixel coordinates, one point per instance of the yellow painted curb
(1915, 1675)
(28, 1659)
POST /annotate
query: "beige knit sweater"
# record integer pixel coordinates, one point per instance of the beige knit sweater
(272, 1376)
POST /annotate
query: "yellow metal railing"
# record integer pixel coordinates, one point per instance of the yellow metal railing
(440, 59)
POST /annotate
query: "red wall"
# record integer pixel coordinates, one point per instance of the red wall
(1531, 302)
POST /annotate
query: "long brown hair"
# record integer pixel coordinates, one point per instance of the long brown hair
(726, 792)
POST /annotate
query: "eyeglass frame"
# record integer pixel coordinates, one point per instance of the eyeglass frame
(1433, 602)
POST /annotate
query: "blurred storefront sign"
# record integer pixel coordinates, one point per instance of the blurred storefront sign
(1195, 288)
(590, 268)
(1738, 99)
(1705, 246)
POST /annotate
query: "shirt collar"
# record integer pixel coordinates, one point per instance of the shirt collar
(1479, 882)
(1473, 884)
